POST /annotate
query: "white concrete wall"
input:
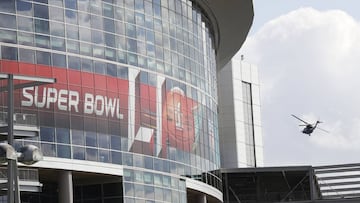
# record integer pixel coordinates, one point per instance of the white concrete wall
(231, 117)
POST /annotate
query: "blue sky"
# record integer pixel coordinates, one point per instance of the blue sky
(308, 55)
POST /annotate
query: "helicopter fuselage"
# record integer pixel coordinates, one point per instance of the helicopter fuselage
(308, 129)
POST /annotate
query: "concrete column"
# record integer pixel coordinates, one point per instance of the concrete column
(65, 187)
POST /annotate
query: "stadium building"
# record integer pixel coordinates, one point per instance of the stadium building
(133, 115)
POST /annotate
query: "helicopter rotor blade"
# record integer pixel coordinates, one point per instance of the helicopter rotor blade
(323, 130)
(300, 119)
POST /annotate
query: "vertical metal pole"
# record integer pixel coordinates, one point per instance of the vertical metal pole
(17, 186)
(11, 163)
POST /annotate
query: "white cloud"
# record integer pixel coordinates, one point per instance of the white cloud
(309, 61)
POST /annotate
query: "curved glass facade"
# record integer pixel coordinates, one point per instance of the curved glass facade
(136, 85)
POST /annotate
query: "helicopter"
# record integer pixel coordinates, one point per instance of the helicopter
(309, 128)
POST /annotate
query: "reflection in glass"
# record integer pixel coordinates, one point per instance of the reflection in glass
(48, 149)
(8, 36)
(43, 58)
(90, 139)
(25, 24)
(63, 135)
(63, 151)
(7, 21)
(78, 153)
(91, 154)
(56, 14)
(27, 55)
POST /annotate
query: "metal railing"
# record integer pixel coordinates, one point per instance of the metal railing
(20, 119)
(339, 181)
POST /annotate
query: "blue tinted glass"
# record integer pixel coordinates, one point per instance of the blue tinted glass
(47, 134)
(58, 43)
(58, 60)
(62, 135)
(41, 11)
(27, 55)
(7, 36)
(91, 154)
(115, 142)
(110, 40)
(7, 6)
(74, 63)
(43, 58)
(48, 149)
(111, 70)
(86, 65)
(71, 16)
(42, 41)
(104, 156)
(79, 153)
(109, 25)
(9, 53)
(103, 141)
(63, 151)
(42, 1)
(91, 139)
(23, 23)
(7, 21)
(42, 26)
(71, 4)
(116, 157)
(24, 7)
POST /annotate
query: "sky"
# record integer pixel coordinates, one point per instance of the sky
(308, 56)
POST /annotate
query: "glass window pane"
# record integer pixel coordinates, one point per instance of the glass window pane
(7, 21)
(24, 23)
(85, 34)
(25, 38)
(79, 153)
(43, 58)
(116, 157)
(62, 135)
(24, 8)
(56, 14)
(42, 26)
(115, 142)
(74, 63)
(41, 11)
(56, 2)
(27, 55)
(7, 6)
(104, 156)
(78, 137)
(71, 4)
(109, 25)
(72, 31)
(42, 41)
(72, 46)
(90, 139)
(86, 49)
(86, 65)
(63, 151)
(58, 60)
(91, 154)
(57, 29)
(7, 36)
(48, 149)
(58, 43)
(47, 134)
(103, 141)
(108, 10)
(71, 17)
